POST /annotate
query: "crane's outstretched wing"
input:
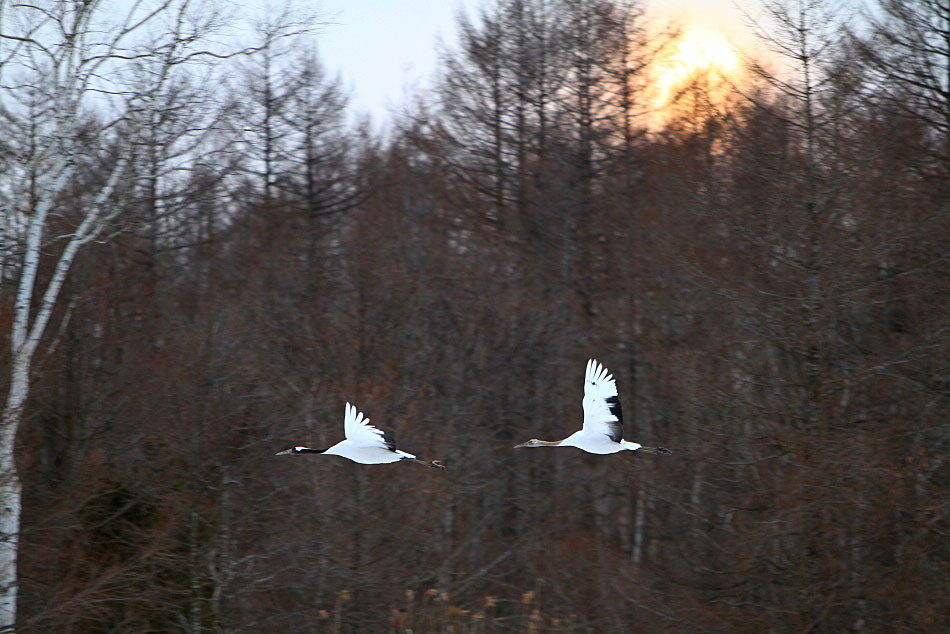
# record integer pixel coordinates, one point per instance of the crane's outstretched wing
(358, 430)
(602, 413)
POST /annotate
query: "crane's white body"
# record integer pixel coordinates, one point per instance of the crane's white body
(366, 455)
(597, 443)
(602, 432)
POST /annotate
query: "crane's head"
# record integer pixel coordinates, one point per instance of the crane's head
(292, 450)
(534, 442)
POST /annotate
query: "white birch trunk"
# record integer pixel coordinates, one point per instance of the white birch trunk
(60, 53)
(4, 239)
(25, 339)
(10, 496)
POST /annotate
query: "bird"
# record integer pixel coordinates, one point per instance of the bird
(602, 432)
(364, 443)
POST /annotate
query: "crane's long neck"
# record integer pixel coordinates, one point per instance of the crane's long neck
(296, 450)
(550, 443)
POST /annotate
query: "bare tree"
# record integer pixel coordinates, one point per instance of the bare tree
(257, 111)
(479, 113)
(321, 161)
(77, 57)
(906, 59)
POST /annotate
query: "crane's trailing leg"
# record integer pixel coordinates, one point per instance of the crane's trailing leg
(661, 451)
(435, 464)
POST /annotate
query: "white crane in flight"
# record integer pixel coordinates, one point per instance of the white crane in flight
(364, 444)
(602, 432)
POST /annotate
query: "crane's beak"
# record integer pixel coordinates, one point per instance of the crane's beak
(284, 452)
(524, 444)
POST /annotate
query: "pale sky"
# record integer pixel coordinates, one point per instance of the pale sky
(386, 49)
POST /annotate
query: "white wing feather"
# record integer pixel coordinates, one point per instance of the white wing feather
(357, 429)
(601, 405)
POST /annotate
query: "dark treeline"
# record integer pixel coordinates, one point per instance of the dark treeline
(766, 275)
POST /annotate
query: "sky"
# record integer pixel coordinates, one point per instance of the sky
(384, 50)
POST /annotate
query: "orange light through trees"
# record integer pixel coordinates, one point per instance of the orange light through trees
(700, 53)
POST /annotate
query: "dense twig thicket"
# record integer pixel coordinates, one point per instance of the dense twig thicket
(768, 277)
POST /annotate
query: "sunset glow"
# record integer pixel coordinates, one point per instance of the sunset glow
(701, 50)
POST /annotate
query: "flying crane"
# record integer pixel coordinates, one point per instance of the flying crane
(602, 432)
(364, 443)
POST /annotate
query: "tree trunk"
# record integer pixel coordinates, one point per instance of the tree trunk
(10, 502)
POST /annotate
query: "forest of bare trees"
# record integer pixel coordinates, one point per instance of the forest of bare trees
(202, 257)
